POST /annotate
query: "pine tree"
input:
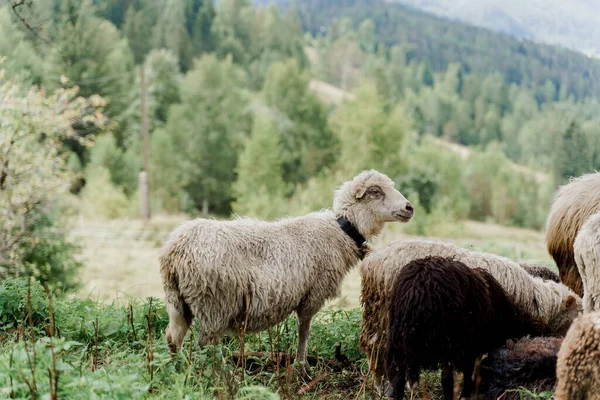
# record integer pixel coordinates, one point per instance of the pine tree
(203, 40)
(573, 155)
(137, 28)
(170, 32)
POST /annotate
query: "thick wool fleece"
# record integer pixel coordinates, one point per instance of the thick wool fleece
(278, 269)
(443, 313)
(553, 303)
(530, 363)
(587, 257)
(573, 204)
(578, 364)
(226, 272)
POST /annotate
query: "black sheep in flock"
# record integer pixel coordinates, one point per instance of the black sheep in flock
(443, 313)
(529, 363)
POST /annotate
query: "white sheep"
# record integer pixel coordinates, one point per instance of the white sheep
(587, 257)
(577, 366)
(573, 204)
(225, 273)
(552, 303)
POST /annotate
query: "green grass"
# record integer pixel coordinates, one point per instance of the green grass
(101, 350)
(120, 276)
(54, 347)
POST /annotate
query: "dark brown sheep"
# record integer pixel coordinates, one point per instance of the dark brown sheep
(443, 313)
(528, 362)
(540, 271)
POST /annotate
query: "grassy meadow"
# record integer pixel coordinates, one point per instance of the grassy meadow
(107, 341)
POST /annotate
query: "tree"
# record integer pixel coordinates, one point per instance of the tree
(23, 64)
(426, 73)
(308, 143)
(232, 27)
(260, 190)
(197, 150)
(203, 40)
(572, 158)
(89, 53)
(123, 166)
(366, 36)
(170, 32)
(369, 137)
(33, 176)
(137, 28)
(112, 10)
(163, 82)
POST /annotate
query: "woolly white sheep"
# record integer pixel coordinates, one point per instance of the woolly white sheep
(550, 302)
(577, 367)
(248, 275)
(587, 257)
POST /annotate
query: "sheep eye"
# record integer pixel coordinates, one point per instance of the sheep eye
(374, 191)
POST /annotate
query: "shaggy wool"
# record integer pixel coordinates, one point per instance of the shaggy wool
(527, 363)
(587, 257)
(573, 204)
(443, 313)
(578, 364)
(551, 302)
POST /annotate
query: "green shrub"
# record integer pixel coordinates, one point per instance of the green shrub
(101, 198)
(13, 304)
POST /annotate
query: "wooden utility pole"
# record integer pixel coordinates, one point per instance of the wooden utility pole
(145, 174)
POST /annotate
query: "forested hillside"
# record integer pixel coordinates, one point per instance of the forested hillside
(574, 24)
(442, 41)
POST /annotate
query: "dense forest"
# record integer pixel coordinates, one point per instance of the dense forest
(442, 42)
(237, 123)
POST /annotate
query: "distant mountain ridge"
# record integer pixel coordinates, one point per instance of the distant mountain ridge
(442, 41)
(574, 24)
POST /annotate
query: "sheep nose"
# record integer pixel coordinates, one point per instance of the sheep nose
(409, 207)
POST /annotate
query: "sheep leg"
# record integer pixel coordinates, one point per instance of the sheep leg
(398, 384)
(180, 319)
(303, 333)
(413, 379)
(467, 368)
(448, 381)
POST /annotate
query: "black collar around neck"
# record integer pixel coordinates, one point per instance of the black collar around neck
(354, 234)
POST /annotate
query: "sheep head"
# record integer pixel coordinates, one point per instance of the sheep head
(571, 307)
(369, 201)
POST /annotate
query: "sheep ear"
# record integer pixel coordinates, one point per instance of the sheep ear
(360, 192)
(571, 303)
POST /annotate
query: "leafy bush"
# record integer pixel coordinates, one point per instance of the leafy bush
(101, 198)
(122, 165)
(14, 305)
(33, 175)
